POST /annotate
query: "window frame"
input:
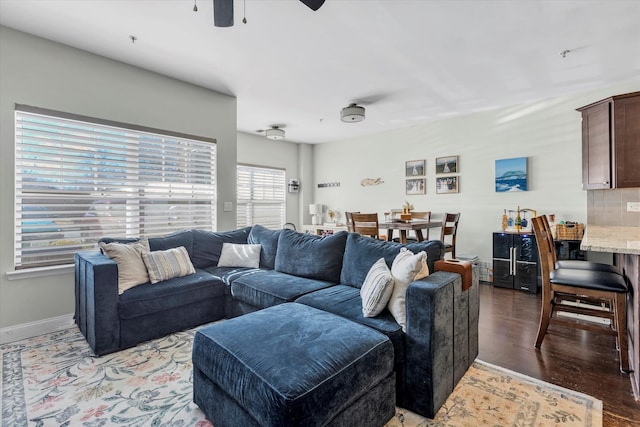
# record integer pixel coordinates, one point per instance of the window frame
(160, 168)
(254, 203)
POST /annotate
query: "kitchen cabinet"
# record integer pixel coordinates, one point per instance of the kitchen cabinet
(611, 143)
(515, 261)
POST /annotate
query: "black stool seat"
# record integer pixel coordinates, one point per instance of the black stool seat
(589, 279)
(586, 265)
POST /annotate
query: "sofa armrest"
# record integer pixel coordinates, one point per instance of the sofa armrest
(441, 339)
(96, 312)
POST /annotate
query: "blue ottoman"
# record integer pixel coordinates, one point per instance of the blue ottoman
(293, 365)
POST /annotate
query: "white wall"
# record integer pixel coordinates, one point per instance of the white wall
(548, 133)
(38, 72)
(259, 151)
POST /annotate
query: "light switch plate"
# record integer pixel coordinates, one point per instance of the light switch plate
(633, 206)
(227, 207)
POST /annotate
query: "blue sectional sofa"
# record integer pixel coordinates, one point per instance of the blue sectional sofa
(439, 344)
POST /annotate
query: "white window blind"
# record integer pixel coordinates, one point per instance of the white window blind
(79, 180)
(261, 196)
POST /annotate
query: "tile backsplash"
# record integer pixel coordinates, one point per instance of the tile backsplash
(609, 207)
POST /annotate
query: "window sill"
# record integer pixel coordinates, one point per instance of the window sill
(30, 273)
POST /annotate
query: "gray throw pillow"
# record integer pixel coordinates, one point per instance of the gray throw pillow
(164, 265)
(376, 289)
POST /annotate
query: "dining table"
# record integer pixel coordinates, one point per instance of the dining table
(415, 225)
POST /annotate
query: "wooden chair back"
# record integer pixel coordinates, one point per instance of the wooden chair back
(426, 216)
(349, 218)
(421, 215)
(449, 232)
(366, 224)
(546, 256)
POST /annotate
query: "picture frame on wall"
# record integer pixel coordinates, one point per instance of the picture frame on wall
(415, 168)
(447, 184)
(511, 175)
(446, 165)
(416, 186)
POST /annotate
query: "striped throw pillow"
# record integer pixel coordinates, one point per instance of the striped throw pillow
(163, 265)
(376, 289)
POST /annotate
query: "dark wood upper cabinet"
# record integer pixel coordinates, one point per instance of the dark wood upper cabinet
(611, 142)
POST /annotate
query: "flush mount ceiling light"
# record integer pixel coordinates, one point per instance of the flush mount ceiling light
(352, 113)
(274, 133)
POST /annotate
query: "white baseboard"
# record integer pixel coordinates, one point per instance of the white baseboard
(33, 329)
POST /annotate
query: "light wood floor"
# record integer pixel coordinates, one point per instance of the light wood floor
(578, 360)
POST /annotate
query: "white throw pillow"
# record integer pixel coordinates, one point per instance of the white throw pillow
(406, 268)
(131, 268)
(376, 289)
(240, 255)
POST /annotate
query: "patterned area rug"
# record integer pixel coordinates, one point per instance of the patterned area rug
(53, 380)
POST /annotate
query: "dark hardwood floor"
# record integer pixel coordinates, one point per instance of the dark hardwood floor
(579, 360)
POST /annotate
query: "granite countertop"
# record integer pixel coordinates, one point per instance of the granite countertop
(614, 239)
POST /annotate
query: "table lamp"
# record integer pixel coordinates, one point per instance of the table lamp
(315, 209)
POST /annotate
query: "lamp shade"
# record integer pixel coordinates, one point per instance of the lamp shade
(315, 209)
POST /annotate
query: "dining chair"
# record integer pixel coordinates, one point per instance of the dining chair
(594, 293)
(425, 216)
(366, 224)
(349, 219)
(289, 226)
(572, 263)
(450, 229)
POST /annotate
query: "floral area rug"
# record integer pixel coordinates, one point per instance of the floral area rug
(54, 380)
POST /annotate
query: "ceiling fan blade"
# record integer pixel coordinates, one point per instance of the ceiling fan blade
(223, 13)
(313, 4)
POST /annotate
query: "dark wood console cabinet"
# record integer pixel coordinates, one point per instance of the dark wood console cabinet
(515, 261)
(611, 143)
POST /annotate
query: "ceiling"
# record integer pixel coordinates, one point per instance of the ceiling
(406, 61)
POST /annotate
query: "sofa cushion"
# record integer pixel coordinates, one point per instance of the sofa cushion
(207, 245)
(131, 268)
(269, 241)
(345, 301)
(361, 252)
(376, 289)
(173, 240)
(271, 287)
(311, 256)
(164, 265)
(177, 292)
(240, 255)
(120, 240)
(228, 274)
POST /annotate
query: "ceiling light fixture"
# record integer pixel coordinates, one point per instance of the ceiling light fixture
(274, 133)
(195, 6)
(352, 113)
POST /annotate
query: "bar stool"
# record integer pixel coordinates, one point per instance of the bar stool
(581, 291)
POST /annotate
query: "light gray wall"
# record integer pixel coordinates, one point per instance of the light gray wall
(548, 133)
(41, 73)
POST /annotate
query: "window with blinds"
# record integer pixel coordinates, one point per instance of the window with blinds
(261, 196)
(80, 179)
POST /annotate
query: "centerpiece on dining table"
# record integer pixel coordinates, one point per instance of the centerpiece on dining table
(406, 212)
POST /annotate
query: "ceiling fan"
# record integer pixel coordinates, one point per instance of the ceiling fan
(275, 132)
(223, 11)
